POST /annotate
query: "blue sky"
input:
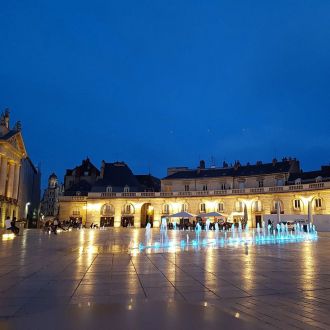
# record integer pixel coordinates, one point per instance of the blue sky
(166, 83)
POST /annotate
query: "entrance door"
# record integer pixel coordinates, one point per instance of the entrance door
(107, 221)
(147, 215)
(258, 221)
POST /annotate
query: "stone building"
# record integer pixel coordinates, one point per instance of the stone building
(50, 201)
(12, 151)
(79, 181)
(29, 193)
(266, 187)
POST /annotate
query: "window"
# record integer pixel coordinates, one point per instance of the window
(319, 179)
(220, 207)
(166, 209)
(107, 210)
(239, 206)
(204, 187)
(128, 209)
(297, 181)
(257, 206)
(202, 208)
(109, 189)
(126, 189)
(277, 204)
(184, 207)
(318, 203)
(186, 187)
(223, 186)
(241, 185)
(297, 204)
(279, 182)
(76, 211)
(261, 183)
(86, 173)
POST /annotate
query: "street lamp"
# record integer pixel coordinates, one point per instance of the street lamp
(27, 209)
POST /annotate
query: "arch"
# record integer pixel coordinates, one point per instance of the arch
(318, 203)
(147, 214)
(107, 210)
(202, 208)
(128, 209)
(275, 204)
(184, 207)
(166, 208)
(220, 206)
(257, 206)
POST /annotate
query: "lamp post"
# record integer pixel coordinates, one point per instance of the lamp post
(27, 209)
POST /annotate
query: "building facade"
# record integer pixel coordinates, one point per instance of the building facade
(12, 152)
(29, 193)
(259, 188)
(50, 201)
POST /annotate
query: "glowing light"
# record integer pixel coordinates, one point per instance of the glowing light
(237, 315)
(8, 237)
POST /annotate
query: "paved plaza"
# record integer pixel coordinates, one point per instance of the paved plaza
(88, 279)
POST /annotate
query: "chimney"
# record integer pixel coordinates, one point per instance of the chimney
(102, 169)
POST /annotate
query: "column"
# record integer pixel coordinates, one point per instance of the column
(16, 181)
(10, 186)
(3, 175)
(117, 221)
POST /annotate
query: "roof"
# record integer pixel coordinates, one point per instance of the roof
(117, 174)
(310, 176)
(82, 186)
(86, 166)
(247, 170)
(149, 182)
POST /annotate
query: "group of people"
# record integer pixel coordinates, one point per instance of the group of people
(11, 225)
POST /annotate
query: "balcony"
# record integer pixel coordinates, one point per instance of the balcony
(228, 192)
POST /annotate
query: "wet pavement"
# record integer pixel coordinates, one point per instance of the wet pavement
(88, 279)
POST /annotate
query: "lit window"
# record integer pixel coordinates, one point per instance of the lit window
(166, 209)
(202, 208)
(318, 203)
(220, 207)
(239, 206)
(184, 207)
(128, 209)
(297, 204)
(257, 206)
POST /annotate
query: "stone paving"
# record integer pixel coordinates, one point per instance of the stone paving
(87, 279)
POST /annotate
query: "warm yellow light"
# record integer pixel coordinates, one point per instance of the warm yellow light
(8, 237)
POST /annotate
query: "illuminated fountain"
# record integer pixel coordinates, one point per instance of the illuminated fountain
(199, 239)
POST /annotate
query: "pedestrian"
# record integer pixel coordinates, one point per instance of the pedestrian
(54, 226)
(10, 225)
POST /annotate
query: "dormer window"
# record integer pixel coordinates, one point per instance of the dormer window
(109, 189)
(297, 181)
(126, 189)
(319, 179)
(86, 173)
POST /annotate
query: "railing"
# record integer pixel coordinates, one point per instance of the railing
(246, 191)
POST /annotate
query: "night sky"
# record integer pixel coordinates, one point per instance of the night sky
(166, 83)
